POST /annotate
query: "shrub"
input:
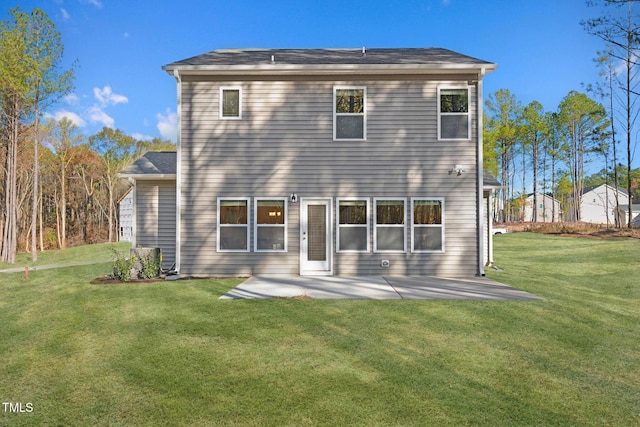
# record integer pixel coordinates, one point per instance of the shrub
(150, 265)
(122, 266)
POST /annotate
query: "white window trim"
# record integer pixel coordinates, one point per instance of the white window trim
(239, 89)
(338, 225)
(256, 225)
(375, 225)
(218, 225)
(414, 226)
(364, 114)
(468, 113)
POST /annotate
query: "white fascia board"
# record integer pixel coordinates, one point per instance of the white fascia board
(329, 69)
(491, 187)
(153, 177)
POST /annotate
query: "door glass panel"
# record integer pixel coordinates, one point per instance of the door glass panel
(317, 233)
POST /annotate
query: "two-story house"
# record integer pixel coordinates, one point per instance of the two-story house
(598, 205)
(326, 162)
(548, 208)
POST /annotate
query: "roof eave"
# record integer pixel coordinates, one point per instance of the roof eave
(330, 69)
(149, 176)
(491, 186)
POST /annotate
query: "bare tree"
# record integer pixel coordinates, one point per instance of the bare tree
(62, 137)
(619, 28)
(582, 119)
(117, 151)
(503, 113)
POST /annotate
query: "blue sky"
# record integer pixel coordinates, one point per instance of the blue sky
(541, 50)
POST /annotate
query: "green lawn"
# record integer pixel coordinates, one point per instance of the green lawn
(172, 353)
(97, 252)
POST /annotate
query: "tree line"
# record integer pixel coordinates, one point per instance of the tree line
(59, 187)
(527, 147)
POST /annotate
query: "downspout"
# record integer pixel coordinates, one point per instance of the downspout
(134, 215)
(479, 171)
(178, 78)
(488, 232)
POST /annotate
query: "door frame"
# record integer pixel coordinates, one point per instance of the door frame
(304, 202)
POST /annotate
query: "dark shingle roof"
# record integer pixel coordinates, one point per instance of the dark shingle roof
(361, 56)
(489, 180)
(153, 163)
(585, 190)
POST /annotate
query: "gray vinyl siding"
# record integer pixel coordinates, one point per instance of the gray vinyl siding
(284, 144)
(156, 218)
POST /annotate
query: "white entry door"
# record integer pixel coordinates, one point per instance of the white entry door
(315, 237)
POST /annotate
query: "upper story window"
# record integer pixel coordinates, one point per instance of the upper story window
(349, 113)
(231, 102)
(454, 119)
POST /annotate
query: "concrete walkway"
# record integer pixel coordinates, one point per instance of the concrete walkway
(375, 287)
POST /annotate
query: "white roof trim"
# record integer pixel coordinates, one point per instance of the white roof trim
(149, 176)
(332, 69)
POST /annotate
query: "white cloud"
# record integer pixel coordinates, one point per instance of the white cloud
(621, 68)
(141, 137)
(168, 125)
(65, 14)
(73, 117)
(125, 35)
(107, 97)
(96, 3)
(98, 116)
(72, 99)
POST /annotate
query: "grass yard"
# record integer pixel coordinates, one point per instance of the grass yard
(172, 353)
(97, 252)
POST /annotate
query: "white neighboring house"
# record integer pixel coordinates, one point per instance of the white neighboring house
(548, 209)
(598, 205)
(635, 222)
(126, 216)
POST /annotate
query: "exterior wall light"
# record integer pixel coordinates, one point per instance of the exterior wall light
(457, 169)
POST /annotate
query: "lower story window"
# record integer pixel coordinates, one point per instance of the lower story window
(390, 231)
(271, 225)
(233, 225)
(427, 229)
(353, 225)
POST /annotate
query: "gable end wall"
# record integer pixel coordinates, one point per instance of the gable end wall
(284, 144)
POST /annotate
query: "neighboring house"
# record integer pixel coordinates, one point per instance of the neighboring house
(548, 209)
(125, 205)
(598, 205)
(635, 221)
(154, 201)
(325, 161)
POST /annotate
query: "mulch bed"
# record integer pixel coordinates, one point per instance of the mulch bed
(591, 231)
(106, 280)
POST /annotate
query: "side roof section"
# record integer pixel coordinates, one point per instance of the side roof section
(153, 165)
(490, 181)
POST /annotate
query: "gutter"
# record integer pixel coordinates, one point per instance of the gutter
(148, 176)
(329, 69)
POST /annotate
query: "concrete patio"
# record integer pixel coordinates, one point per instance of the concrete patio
(375, 287)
